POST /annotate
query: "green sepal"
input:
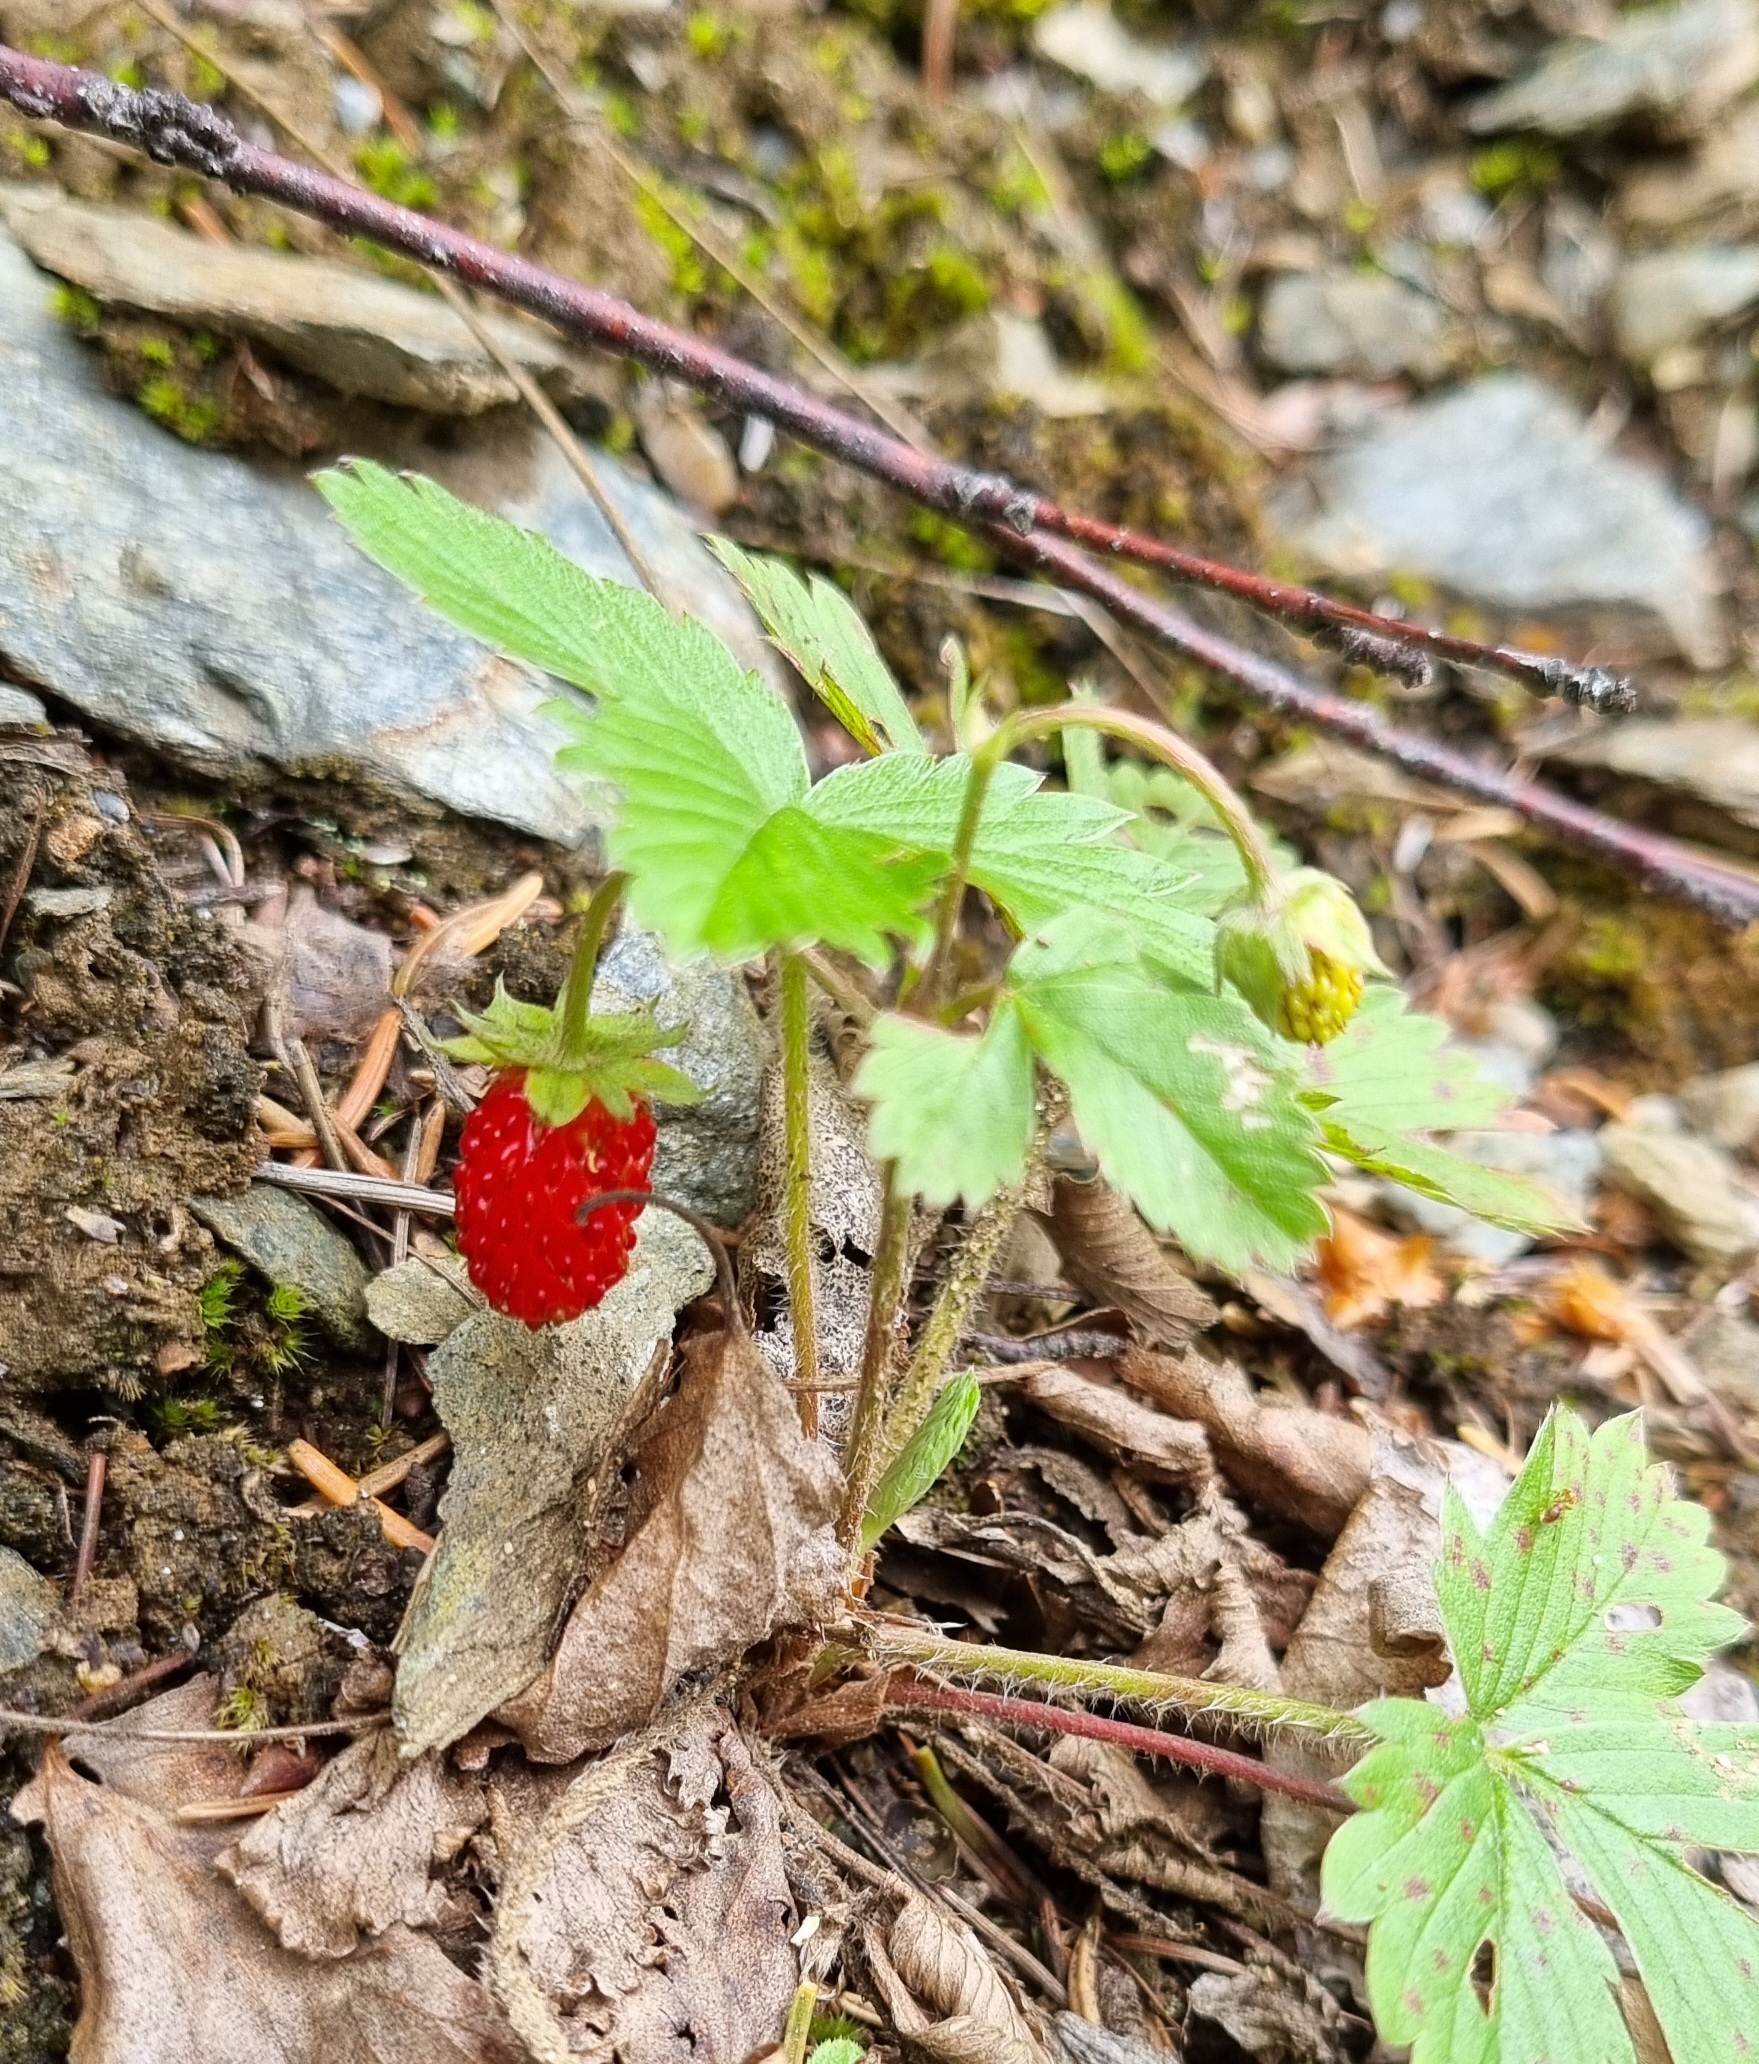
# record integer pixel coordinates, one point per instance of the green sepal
(610, 1057)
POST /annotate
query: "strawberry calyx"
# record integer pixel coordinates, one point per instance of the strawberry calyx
(569, 1054)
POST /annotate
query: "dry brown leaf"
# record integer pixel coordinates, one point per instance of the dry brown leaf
(1108, 1252)
(1313, 1466)
(1373, 1630)
(1268, 2018)
(354, 1853)
(648, 1918)
(1149, 1442)
(1364, 1271)
(175, 1968)
(1222, 1586)
(1587, 1301)
(731, 1538)
(945, 1997)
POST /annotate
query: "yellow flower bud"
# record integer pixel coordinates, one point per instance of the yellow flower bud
(1299, 957)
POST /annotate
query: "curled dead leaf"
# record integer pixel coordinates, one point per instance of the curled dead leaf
(354, 1853)
(648, 1916)
(1108, 1252)
(1373, 1630)
(1313, 1466)
(1364, 1271)
(1164, 1449)
(732, 1537)
(945, 1997)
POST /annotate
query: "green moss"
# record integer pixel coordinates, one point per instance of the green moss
(1122, 157)
(159, 351)
(689, 274)
(388, 169)
(1514, 162)
(167, 401)
(949, 544)
(242, 1711)
(76, 307)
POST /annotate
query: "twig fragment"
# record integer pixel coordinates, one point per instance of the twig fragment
(96, 1470)
(337, 1487)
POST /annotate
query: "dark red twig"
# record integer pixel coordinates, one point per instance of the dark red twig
(175, 131)
(96, 1469)
(919, 1697)
(134, 1684)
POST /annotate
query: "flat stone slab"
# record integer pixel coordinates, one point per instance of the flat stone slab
(291, 1241)
(1499, 491)
(212, 608)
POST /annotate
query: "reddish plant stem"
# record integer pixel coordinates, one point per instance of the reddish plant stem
(175, 131)
(96, 1469)
(919, 1697)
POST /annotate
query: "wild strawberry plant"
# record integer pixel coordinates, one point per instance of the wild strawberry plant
(1211, 1119)
(1209, 1021)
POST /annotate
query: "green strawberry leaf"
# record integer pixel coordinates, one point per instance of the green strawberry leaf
(833, 650)
(1575, 1622)
(953, 1110)
(1387, 1080)
(718, 830)
(1391, 1071)
(1181, 1093)
(924, 1457)
(1039, 853)
(516, 592)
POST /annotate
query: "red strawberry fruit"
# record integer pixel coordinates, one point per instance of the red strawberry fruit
(566, 1118)
(520, 1185)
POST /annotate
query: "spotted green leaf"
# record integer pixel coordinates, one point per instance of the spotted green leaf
(1575, 1621)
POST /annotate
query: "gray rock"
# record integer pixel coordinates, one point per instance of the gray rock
(19, 706)
(1569, 1161)
(706, 1155)
(359, 332)
(1498, 490)
(28, 1603)
(1681, 62)
(1725, 1348)
(422, 1299)
(213, 609)
(1668, 298)
(1715, 759)
(529, 1414)
(1359, 323)
(68, 902)
(291, 1241)
(1691, 1188)
(1725, 1107)
(993, 354)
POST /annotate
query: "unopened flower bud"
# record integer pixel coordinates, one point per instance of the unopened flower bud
(1299, 956)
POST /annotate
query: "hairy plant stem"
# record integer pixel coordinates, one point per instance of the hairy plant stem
(1268, 1712)
(797, 1191)
(972, 1267)
(1143, 1741)
(574, 1005)
(1158, 741)
(864, 1451)
(797, 2030)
